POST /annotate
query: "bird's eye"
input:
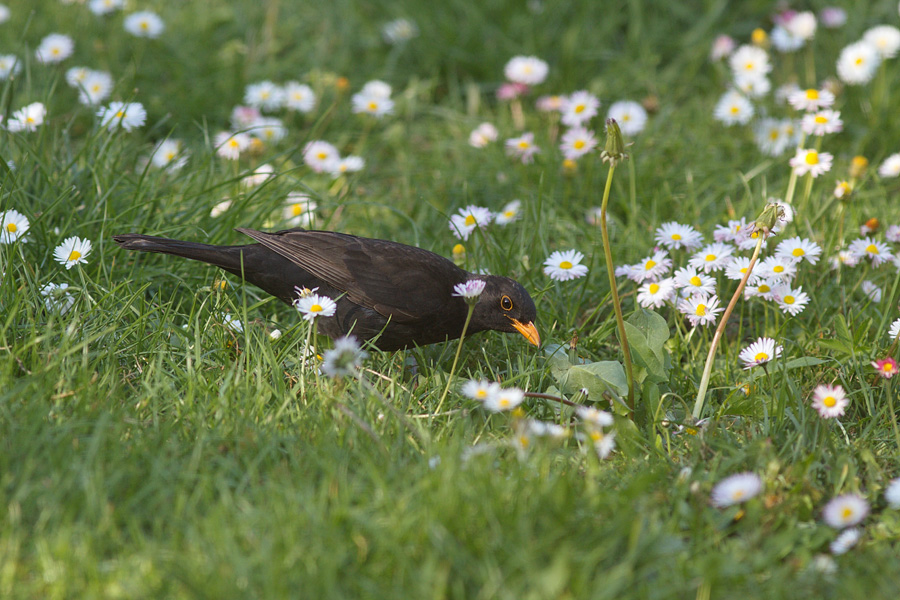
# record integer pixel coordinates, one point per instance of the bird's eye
(505, 303)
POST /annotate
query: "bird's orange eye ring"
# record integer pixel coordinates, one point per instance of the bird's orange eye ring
(506, 303)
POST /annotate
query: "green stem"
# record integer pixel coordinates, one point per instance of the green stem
(456, 358)
(707, 369)
(303, 360)
(893, 412)
(617, 306)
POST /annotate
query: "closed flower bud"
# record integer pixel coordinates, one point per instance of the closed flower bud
(615, 145)
(858, 166)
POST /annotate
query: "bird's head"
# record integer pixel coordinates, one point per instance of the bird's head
(505, 305)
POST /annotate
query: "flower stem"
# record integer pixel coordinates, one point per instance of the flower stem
(456, 358)
(707, 369)
(617, 306)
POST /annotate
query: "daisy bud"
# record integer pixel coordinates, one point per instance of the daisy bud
(759, 37)
(768, 218)
(615, 145)
(858, 166)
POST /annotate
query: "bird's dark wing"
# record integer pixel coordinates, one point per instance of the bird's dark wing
(398, 281)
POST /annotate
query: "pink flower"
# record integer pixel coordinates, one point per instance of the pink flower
(511, 91)
(886, 367)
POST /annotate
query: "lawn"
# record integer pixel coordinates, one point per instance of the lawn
(169, 431)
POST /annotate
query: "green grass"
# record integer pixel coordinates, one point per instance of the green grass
(148, 451)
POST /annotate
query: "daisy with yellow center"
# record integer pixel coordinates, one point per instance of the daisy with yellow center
(565, 266)
(845, 510)
(830, 401)
(73, 251)
(13, 225)
(736, 489)
(700, 309)
(812, 162)
(314, 305)
(760, 352)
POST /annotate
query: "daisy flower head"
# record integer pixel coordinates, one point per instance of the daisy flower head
(811, 161)
(483, 135)
(791, 301)
(735, 489)
(9, 65)
(737, 267)
(399, 31)
(232, 323)
(801, 25)
(761, 288)
(878, 252)
(576, 142)
(798, 249)
(578, 108)
(480, 390)
(168, 154)
(344, 359)
(13, 225)
(4, 13)
(95, 87)
(604, 443)
(144, 23)
(844, 258)
(54, 48)
(346, 164)
(268, 129)
(104, 7)
(28, 118)
(810, 99)
(886, 367)
(565, 265)
(630, 116)
(522, 147)
(845, 510)
(712, 257)
(264, 95)
(230, 145)
(733, 108)
(700, 309)
(885, 39)
(298, 96)
(858, 62)
(753, 87)
(872, 291)
(890, 167)
(675, 235)
(504, 399)
(314, 305)
(894, 331)
(469, 290)
(509, 213)
(593, 416)
(299, 210)
(128, 115)
(654, 295)
(784, 40)
(892, 493)
(830, 401)
(692, 282)
(73, 251)
(749, 61)
(243, 117)
(845, 541)
(527, 70)
(372, 103)
(552, 103)
(760, 352)
(722, 47)
(463, 223)
(652, 267)
(833, 17)
(822, 122)
(842, 190)
(57, 298)
(771, 137)
(511, 91)
(320, 155)
(777, 268)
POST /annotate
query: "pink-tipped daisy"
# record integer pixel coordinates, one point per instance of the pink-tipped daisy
(886, 367)
(760, 352)
(830, 401)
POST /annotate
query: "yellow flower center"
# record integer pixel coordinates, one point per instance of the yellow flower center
(596, 436)
(626, 117)
(580, 108)
(297, 209)
(145, 25)
(523, 144)
(470, 220)
(847, 512)
(12, 227)
(735, 109)
(701, 310)
(812, 157)
(710, 257)
(565, 265)
(737, 495)
(872, 249)
(481, 394)
(579, 144)
(316, 308)
(764, 289)
(524, 441)
(695, 281)
(120, 114)
(649, 265)
(676, 236)
(761, 356)
(509, 214)
(778, 269)
(373, 106)
(322, 155)
(798, 252)
(887, 367)
(820, 120)
(859, 61)
(654, 287)
(743, 269)
(749, 66)
(829, 401)
(265, 94)
(812, 94)
(774, 134)
(504, 403)
(459, 249)
(789, 300)
(75, 255)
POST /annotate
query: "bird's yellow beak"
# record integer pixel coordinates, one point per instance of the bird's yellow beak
(528, 330)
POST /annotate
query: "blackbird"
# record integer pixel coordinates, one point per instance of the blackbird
(396, 295)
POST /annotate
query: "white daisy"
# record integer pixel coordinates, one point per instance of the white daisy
(243, 117)
(733, 108)
(892, 493)
(344, 359)
(578, 108)
(654, 295)
(761, 288)
(522, 147)
(675, 235)
(846, 540)
(230, 145)
(168, 154)
(268, 129)
(13, 225)
(722, 47)
(258, 176)
(878, 252)
(467, 219)
(128, 115)
(692, 282)
(104, 7)
(346, 164)
(798, 249)
(399, 31)
(735, 489)
(885, 39)
(483, 135)
(576, 142)
(552, 103)
(527, 70)
(28, 118)
(95, 88)
(811, 161)
(480, 390)
(299, 210)
(504, 399)
(57, 298)
(801, 25)
(890, 167)
(811, 99)
(593, 416)
(701, 310)
(830, 401)
(54, 48)
(314, 305)
(469, 289)
(749, 61)
(790, 300)
(858, 62)
(264, 95)
(145, 23)
(73, 251)
(630, 116)
(712, 257)
(652, 267)
(785, 41)
(299, 96)
(833, 17)
(777, 268)
(508, 213)
(9, 65)
(822, 122)
(320, 155)
(894, 331)
(872, 291)
(565, 265)
(760, 352)
(729, 233)
(753, 87)
(737, 267)
(845, 510)
(604, 443)
(771, 137)
(372, 104)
